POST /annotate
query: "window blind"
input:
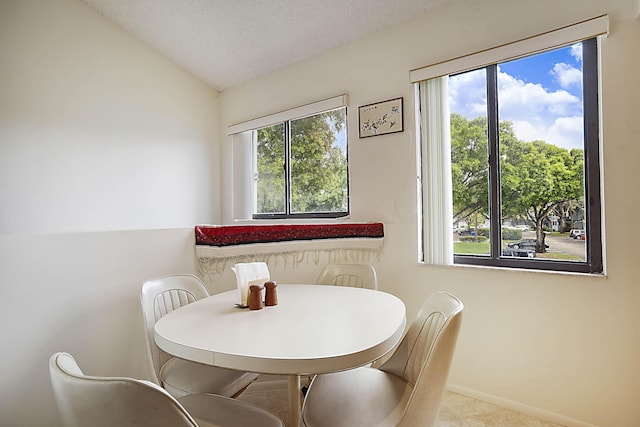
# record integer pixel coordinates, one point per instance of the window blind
(437, 209)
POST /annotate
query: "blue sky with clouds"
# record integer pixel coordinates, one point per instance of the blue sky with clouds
(541, 95)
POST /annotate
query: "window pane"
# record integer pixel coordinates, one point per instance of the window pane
(469, 165)
(319, 163)
(525, 162)
(541, 143)
(270, 193)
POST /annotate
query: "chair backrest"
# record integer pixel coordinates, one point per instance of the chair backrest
(352, 275)
(161, 296)
(424, 357)
(111, 401)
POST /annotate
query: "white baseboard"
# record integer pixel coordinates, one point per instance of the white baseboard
(520, 407)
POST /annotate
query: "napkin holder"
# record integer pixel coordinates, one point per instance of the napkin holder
(248, 274)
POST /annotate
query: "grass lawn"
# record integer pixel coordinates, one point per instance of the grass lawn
(559, 256)
(471, 248)
(482, 248)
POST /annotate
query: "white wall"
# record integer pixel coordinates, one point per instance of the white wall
(106, 154)
(76, 292)
(98, 132)
(566, 346)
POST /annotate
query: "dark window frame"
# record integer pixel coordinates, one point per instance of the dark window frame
(593, 200)
(287, 188)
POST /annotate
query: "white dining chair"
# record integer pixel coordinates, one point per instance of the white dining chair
(353, 275)
(179, 377)
(119, 401)
(406, 390)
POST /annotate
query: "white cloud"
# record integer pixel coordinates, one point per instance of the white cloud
(564, 132)
(536, 113)
(567, 132)
(468, 93)
(576, 51)
(527, 101)
(526, 131)
(567, 75)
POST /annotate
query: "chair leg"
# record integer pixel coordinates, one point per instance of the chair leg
(306, 382)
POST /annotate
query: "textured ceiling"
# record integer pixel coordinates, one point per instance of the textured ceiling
(228, 42)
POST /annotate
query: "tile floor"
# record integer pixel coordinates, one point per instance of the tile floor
(462, 411)
(456, 410)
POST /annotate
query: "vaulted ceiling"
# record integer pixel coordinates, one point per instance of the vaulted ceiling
(228, 42)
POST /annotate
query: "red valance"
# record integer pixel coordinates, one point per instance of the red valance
(230, 235)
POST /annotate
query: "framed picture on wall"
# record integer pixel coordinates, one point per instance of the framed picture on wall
(380, 118)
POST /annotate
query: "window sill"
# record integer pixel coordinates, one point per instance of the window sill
(217, 246)
(520, 270)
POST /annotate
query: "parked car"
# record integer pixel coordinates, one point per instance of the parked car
(577, 234)
(520, 253)
(525, 244)
(523, 227)
(574, 232)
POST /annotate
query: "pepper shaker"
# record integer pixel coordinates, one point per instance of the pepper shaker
(271, 297)
(255, 297)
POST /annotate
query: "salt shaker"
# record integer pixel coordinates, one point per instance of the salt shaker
(271, 297)
(255, 297)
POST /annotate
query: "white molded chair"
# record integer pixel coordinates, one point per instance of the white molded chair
(406, 390)
(353, 275)
(181, 377)
(118, 401)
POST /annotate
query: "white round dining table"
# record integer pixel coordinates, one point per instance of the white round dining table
(314, 329)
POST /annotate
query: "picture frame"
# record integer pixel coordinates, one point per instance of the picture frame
(381, 118)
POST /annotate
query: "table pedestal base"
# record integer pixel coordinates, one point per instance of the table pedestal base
(295, 401)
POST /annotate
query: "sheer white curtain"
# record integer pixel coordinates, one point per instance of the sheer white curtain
(437, 204)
